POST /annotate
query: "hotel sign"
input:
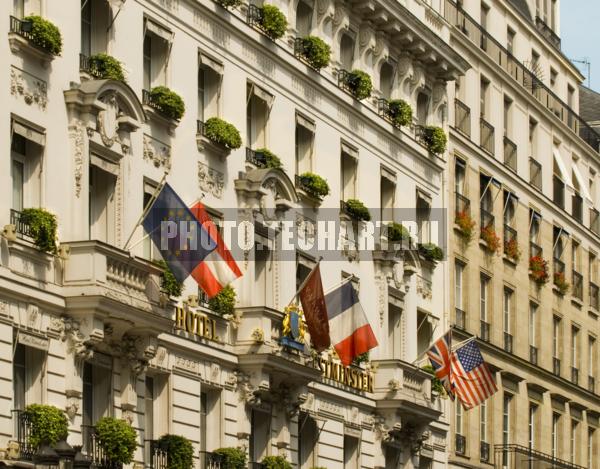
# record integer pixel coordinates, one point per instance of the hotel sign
(354, 377)
(198, 324)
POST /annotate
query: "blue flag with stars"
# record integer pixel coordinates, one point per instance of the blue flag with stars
(177, 234)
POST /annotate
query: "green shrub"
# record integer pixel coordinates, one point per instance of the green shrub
(168, 283)
(275, 462)
(272, 21)
(431, 252)
(396, 232)
(45, 34)
(233, 458)
(117, 438)
(49, 424)
(106, 66)
(169, 102)
(42, 227)
(359, 83)
(362, 358)
(314, 184)
(316, 52)
(222, 132)
(270, 159)
(357, 210)
(223, 302)
(435, 139)
(229, 3)
(400, 112)
(436, 384)
(180, 452)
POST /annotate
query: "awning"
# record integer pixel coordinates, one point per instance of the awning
(260, 93)
(158, 30)
(211, 63)
(582, 185)
(388, 174)
(349, 150)
(306, 123)
(28, 132)
(564, 174)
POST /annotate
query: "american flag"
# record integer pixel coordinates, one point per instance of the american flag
(471, 378)
(439, 356)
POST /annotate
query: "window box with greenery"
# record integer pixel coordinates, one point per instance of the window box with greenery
(265, 158)
(560, 282)
(42, 228)
(223, 303)
(397, 233)
(491, 239)
(356, 82)
(117, 438)
(538, 270)
(232, 458)
(166, 103)
(218, 135)
(103, 67)
(436, 385)
(313, 186)
(275, 462)
(179, 451)
(36, 36)
(48, 425)
(169, 285)
(465, 225)
(431, 252)
(399, 112)
(269, 19)
(313, 50)
(355, 209)
(435, 139)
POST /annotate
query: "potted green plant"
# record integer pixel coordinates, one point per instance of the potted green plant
(42, 228)
(491, 238)
(49, 424)
(179, 450)
(397, 232)
(233, 458)
(223, 303)
(512, 249)
(315, 51)
(268, 158)
(105, 66)
(230, 3)
(314, 184)
(275, 462)
(168, 283)
(362, 358)
(466, 225)
(435, 139)
(117, 438)
(436, 385)
(44, 34)
(400, 112)
(223, 133)
(167, 102)
(560, 280)
(359, 84)
(272, 21)
(538, 270)
(357, 210)
(431, 252)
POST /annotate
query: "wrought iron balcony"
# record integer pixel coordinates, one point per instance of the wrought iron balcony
(157, 457)
(547, 32)
(95, 451)
(556, 366)
(535, 173)
(577, 207)
(510, 154)
(23, 229)
(595, 221)
(486, 136)
(594, 296)
(533, 355)
(257, 158)
(149, 101)
(484, 331)
(462, 204)
(484, 451)
(591, 384)
(558, 191)
(87, 67)
(20, 27)
(574, 375)
(22, 432)
(508, 342)
(517, 456)
(461, 319)
(211, 460)
(462, 117)
(460, 444)
(577, 290)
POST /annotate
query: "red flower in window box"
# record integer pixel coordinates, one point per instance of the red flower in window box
(512, 249)
(560, 280)
(538, 270)
(491, 238)
(466, 225)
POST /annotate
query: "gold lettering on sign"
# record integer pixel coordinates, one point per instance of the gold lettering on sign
(353, 377)
(196, 323)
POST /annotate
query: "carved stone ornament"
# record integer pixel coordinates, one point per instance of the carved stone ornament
(108, 126)
(138, 351)
(157, 152)
(247, 392)
(32, 89)
(78, 344)
(72, 407)
(77, 135)
(258, 335)
(210, 180)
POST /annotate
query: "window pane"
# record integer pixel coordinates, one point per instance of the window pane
(17, 181)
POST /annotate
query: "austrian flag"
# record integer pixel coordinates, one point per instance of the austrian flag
(218, 268)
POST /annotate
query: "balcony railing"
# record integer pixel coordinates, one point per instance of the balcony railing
(147, 100)
(510, 154)
(484, 330)
(484, 451)
(94, 450)
(594, 296)
(461, 319)
(22, 432)
(87, 67)
(486, 137)
(535, 173)
(460, 444)
(547, 32)
(591, 384)
(556, 366)
(211, 460)
(577, 285)
(20, 27)
(574, 375)
(456, 16)
(462, 117)
(577, 207)
(257, 158)
(558, 191)
(533, 355)
(23, 229)
(535, 249)
(462, 205)
(510, 236)
(157, 457)
(508, 342)
(595, 221)
(517, 456)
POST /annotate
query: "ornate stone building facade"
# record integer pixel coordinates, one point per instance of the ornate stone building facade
(89, 330)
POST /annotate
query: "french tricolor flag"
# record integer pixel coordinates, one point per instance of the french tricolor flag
(349, 329)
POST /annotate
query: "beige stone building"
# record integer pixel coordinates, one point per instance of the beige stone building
(524, 167)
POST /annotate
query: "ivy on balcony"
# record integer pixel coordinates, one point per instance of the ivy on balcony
(104, 66)
(269, 19)
(42, 33)
(314, 50)
(435, 139)
(42, 228)
(223, 303)
(222, 132)
(356, 209)
(166, 102)
(356, 82)
(313, 184)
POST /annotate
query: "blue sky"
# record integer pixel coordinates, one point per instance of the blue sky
(580, 34)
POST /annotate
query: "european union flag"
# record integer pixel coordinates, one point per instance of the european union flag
(176, 232)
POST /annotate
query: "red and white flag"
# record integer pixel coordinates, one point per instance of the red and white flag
(219, 268)
(472, 380)
(439, 356)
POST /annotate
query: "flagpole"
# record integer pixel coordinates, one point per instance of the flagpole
(147, 208)
(305, 281)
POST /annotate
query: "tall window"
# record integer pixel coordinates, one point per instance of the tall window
(483, 422)
(260, 434)
(18, 172)
(395, 330)
(95, 19)
(263, 268)
(483, 97)
(459, 270)
(257, 116)
(23, 8)
(423, 108)
(307, 441)
(555, 434)
(532, 425)
(591, 444)
(304, 16)
(349, 169)
(460, 174)
(386, 77)
(484, 283)
(485, 11)
(459, 419)
(556, 337)
(151, 252)
(26, 160)
(591, 356)
(96, 396)
(156, 49)
(506, 424)
(28, 376)
(533, 319)
(102, 205)
(574, 440)
(387, 190)
(507, 305)
(575, 347)
(423, 217)
(510, 40)
(347, 51)
(305, 139)
(210, 73)
(507, 116)
(532, 138)
(351, 452)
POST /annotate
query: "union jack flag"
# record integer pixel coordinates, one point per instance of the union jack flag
(439, 355)
(472, 380)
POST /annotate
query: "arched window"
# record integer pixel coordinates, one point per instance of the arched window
(422, 108)
(304, 15)
(386, 77)
(347, 51)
